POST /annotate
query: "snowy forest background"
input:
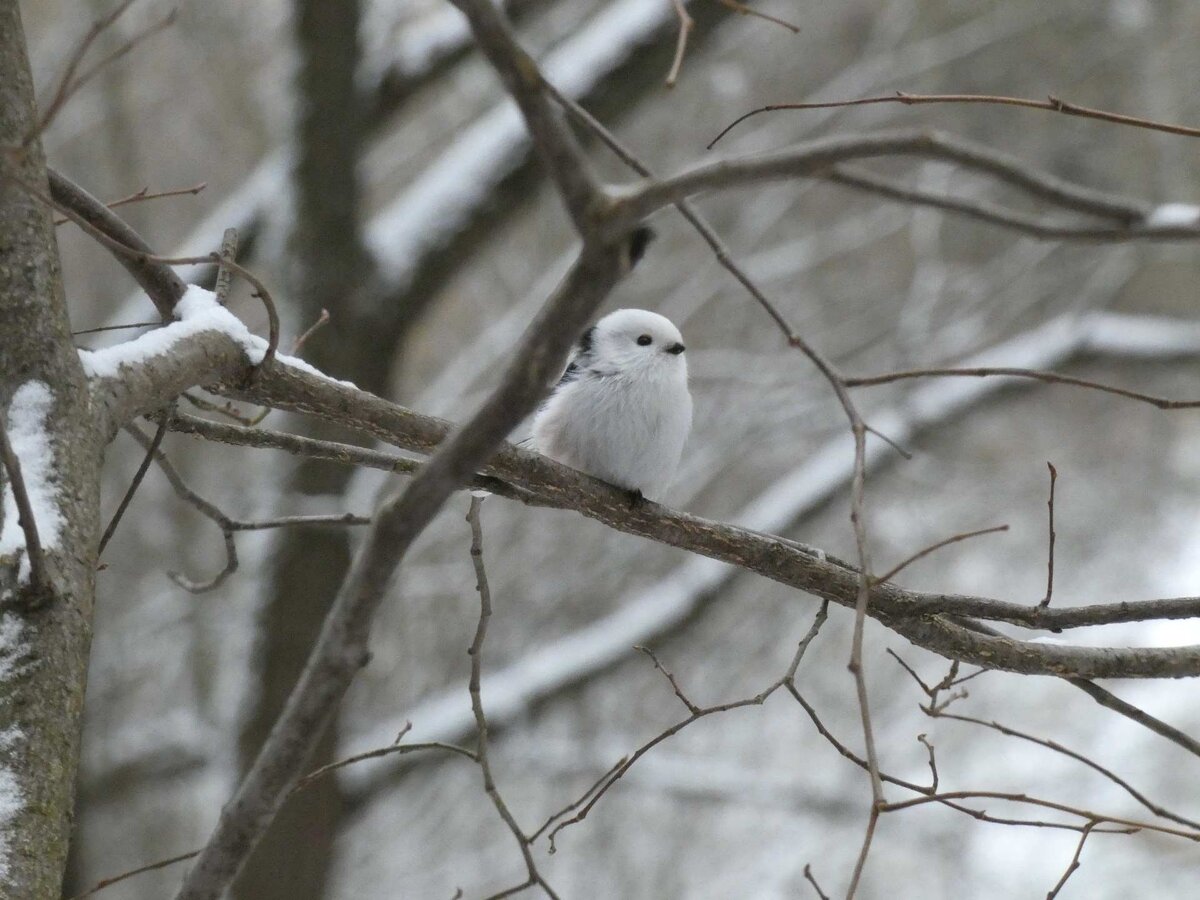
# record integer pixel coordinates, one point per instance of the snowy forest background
(466, 238)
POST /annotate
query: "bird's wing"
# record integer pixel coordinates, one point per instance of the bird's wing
(581, 357)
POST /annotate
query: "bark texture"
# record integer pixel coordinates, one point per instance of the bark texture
(46, 638)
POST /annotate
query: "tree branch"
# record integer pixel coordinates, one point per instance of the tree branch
(814, 158)
(1050, 104)
(341, 649)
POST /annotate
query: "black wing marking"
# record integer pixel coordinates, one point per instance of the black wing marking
(580, 360)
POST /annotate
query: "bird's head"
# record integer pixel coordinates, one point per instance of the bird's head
(634, 340)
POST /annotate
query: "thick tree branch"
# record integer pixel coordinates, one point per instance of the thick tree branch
(161, 284)
(921, 617)
(341, 649)
(557, 148)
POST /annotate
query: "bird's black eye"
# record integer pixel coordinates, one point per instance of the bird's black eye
(645, 340)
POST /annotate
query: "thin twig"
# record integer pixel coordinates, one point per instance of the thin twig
(66, 84)
(1074, 863)
(1050, 555)
(744, 10)
(1116, 779)
(1136, 714)
(860, 863)
(691, 707)
(138, 476)
(583, 798)
(39, 580)
(226, 409)
(695, 714)
(152, 867)
(1037, 226)
(933, 771)
(977, 814)
(71, 83)
(379, 753)
(300, 785)
(145, 194)
(1009, 372)
(229, 526)
(114, 328)
(921, 554)
(808, 875)
(481, 748)
(335, 451)
(322, 321)
(686, 24)
(1051, 104)
(1096, 818)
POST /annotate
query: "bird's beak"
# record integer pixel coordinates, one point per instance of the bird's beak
(676, 349)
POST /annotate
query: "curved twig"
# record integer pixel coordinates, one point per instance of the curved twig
(1051, 104)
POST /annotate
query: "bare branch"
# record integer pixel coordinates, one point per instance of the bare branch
(1116, 779)
(691, 707)
(743, 10)
(396, 749)
(1093, 818)
(813, 159)
(160, 283)
(1031, 225)
(811, 879)
(1050, 555)
(1008, 372)
(1143, 718)
(696, 713)
(917, 616)
(152, 867)
(1074, 863)
(1052, 104)
(564, 160)
(977, 814)
(686, 24)
(932, 548)
(227, 524)
(113, 327)
(322, 321)
(334, 451)
(146, 194)
(140, 474)
(481, 747)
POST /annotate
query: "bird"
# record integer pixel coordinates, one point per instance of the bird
(622, 410)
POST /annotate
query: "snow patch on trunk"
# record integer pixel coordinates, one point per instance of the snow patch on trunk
(34, 448)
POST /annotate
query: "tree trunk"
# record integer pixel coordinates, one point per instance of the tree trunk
(44, 634)
(328, 269)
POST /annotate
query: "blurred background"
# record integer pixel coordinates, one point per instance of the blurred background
(373, 168)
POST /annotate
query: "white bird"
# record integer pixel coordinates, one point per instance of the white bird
(621, 411)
